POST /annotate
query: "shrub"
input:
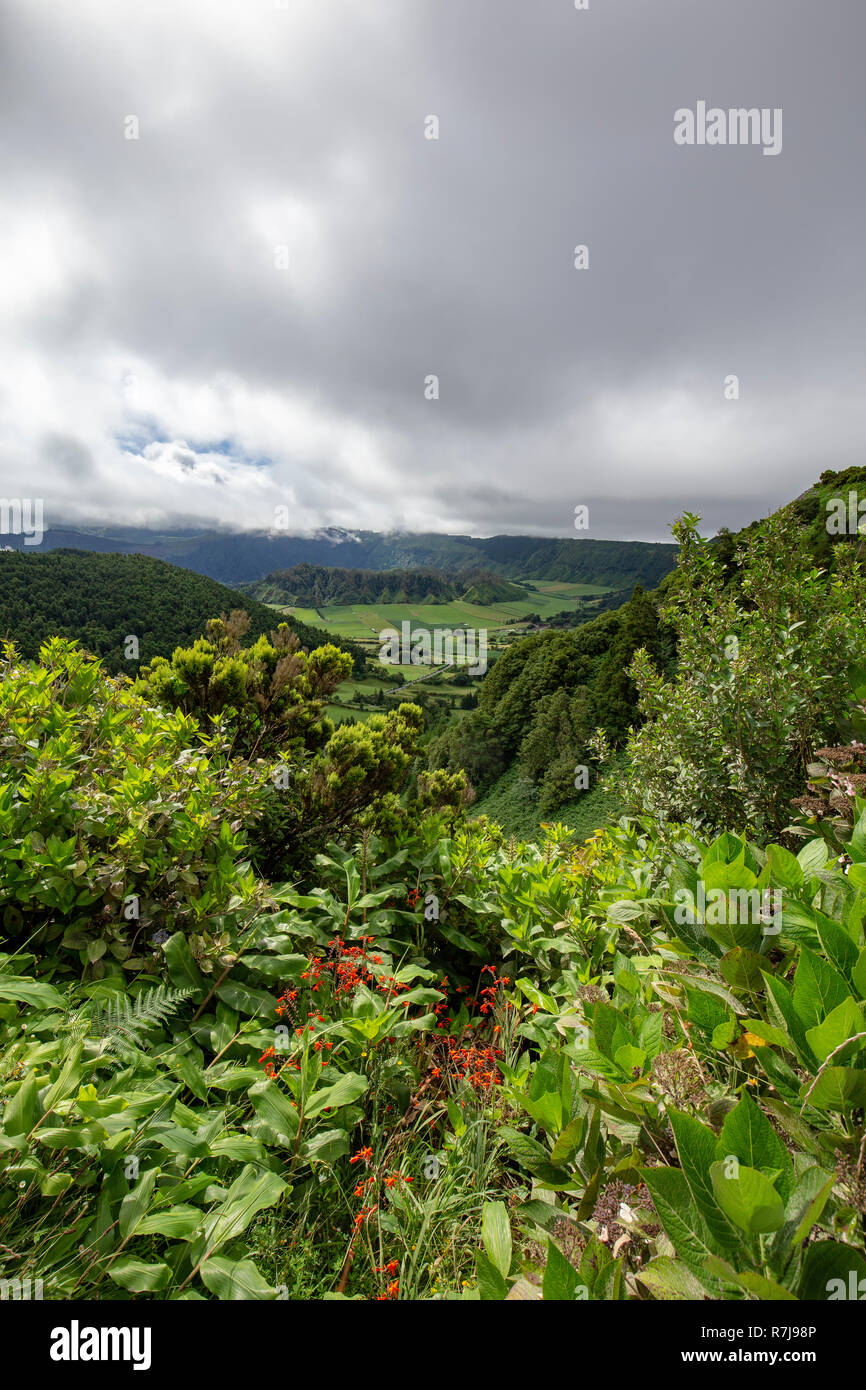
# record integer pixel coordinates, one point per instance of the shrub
(118, 820)
(761, 680)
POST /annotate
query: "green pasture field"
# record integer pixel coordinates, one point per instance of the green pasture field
(562, 589)
(363, 622)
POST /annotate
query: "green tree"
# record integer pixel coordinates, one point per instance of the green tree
(762, 678)
(270, 696)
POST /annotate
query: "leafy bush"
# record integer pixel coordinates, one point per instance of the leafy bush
(118, 821)
(436, 1062)
(761, 679)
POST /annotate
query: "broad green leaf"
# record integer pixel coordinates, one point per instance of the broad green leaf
(241, 1147)
(857, 843)
(681, 1218)
(742, 969)
(749, 1136)
(327, 1147)
(696, 1146)
(244, 999)
(670, 1279)
(250, 1193)
(235, 1279)
(138, 1276)
(818, 988)
(785, 871)
(23, 1110)
(491, 1285)
(568, 1141)
(33, 992)
(344, 1091)
(178, 1222)
(838, 945)
(858, 974)
(496, 1234)
(813, 856)
(803, 1209)
(67, 1081)
(843, 1022)
(837, 1088)
(560, 1277)
(274, 1107)
(135, 1204)
(748, 1198)
(73, 1136)
(782, 1008)
(182, 969)
(752, 1283)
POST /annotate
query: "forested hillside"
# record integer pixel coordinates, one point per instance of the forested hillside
(100, 600)
(543, 702)
(313, 585)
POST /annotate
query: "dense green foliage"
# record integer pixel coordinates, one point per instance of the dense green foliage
(277, 1021)
(313, 585)
(267, 702)
(546, 697)
(763, 660)
(116, 822)
(99, 600)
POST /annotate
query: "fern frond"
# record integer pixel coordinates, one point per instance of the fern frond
(124, 1020)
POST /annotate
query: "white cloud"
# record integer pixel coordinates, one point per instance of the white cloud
(158, 366)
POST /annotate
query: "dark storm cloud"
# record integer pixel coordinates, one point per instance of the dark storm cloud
(139, 277)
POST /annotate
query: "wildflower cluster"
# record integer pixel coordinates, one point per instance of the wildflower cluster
(363, 1191)
(347, 967)
(393, 1289)
(266, 1057)
(476, 1065)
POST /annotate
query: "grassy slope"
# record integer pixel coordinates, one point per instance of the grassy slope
(364, 621)
(510, 802)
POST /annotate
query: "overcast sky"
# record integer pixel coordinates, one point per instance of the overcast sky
(161, 368)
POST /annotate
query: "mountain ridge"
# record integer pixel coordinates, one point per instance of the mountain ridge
(244, 557)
